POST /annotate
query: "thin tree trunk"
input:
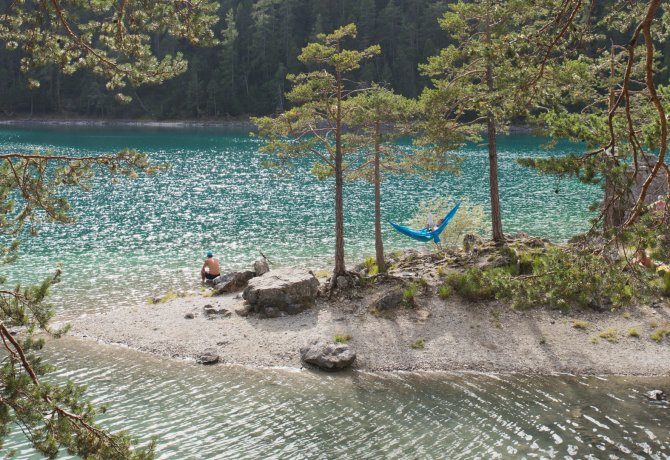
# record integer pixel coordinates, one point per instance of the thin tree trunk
(379, 244)
(340, 268)
(496, 220)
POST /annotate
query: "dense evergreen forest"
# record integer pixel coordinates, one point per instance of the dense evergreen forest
(245, 73)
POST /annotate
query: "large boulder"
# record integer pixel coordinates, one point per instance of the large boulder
(327, 356)
(261, 266)
(290, 290)
(231, 282)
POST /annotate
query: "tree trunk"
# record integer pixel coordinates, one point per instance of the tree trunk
(379, 244)
(496, 220)
(340, 268)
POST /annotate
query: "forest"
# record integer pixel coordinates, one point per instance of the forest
(245, 72)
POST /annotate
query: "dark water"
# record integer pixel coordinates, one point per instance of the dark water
(148, 235)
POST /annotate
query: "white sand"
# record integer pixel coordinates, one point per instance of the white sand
(459, 336)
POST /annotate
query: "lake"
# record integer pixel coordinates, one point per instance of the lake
(140, 237)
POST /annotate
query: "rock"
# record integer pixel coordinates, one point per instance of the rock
(189, 316)
(243, 310)
(271, 312)
(656, 395)
(344, 282)
(209, 356)
(209, 310)
(388, 301)
(327, 356)
(287, 289)
(261, 266)
(231, 282)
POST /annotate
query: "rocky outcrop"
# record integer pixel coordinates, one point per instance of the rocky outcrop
(287, 290)
(261, 266)
(232, 282)
(327, 356)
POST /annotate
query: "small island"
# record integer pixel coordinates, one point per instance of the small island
(410, 319)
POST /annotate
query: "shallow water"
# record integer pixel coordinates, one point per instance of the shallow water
(146, 236)
(232, 412)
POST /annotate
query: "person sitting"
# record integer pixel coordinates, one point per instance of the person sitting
(430, 226)
(642, 259)
(211, 268)
(659, 205)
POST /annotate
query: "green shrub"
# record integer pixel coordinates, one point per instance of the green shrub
(472, 284)
(666, 284)
(409, 292)
(563, 278)
(444, 291)
(418, 344)
(632, 332)
(369, 262)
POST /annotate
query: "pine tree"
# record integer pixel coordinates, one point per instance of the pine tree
(113, 42)
(484, 80)
(314, 126)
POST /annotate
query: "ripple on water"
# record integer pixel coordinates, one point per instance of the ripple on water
(231, 412)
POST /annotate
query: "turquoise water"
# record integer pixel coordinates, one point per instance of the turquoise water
(234, 413)
(145, 236)
(148, 235)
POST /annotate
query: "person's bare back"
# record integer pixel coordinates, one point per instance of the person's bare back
(210, 268)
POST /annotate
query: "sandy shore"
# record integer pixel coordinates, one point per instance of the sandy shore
(458, 336)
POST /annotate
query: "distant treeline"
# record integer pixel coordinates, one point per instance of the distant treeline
(245, 74)
(261, 40)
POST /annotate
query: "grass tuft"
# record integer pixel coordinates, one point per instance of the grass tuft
(342, 338)
(633, 332)
(610, 334)
(577, 324)
(660, 333)
(170, 295)
(418, 344)
(444, 291)
(409, 293)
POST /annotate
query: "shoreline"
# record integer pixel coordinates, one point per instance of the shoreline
(460, 337)
(232, 125)
(242, 124)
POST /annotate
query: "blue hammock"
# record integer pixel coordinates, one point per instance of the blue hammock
(424, 235)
